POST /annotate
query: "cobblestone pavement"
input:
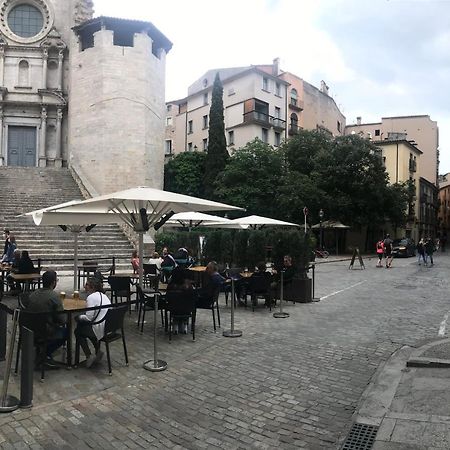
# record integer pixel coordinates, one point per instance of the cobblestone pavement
(286, 383)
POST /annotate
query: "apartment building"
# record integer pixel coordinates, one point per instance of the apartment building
(444, 204)
(402, 162)
(420, 130)
(259, 102)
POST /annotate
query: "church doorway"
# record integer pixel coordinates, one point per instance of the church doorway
(22, 146)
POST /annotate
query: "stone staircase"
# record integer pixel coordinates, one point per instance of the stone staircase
(24, 189)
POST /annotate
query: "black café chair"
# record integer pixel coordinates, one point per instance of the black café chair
(259, 287)
(87, 270)
(120, 288)
(37, 323)
(146, 302)
(212, 304)
(114, 331)
(151, 276)
(180, 305)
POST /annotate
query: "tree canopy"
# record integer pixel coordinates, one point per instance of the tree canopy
(184, 174)
(344, 176)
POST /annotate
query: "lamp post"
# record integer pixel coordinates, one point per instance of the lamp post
(320, 230)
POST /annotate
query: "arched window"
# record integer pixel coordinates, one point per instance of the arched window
(24, 70)
(52, 75)
(294, 97)
(294, 123)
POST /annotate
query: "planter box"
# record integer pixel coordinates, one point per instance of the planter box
(299, 290)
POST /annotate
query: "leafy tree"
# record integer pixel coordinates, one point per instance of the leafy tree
(184, 174)
(217, 155)
(251, 179)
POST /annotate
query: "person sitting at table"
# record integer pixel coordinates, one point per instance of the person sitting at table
(288, 269)
(168, 263)
(260, 283)
(14, 269)
(47, 300)
(180, 283)
(91, 325)
(156, 260)
(25, 264)
(212, 281)
(135, 261)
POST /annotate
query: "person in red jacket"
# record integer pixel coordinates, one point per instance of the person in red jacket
(380, 252)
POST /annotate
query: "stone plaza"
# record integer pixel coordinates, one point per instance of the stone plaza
(286, 383)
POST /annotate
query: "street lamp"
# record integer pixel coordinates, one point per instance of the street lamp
(320, 230)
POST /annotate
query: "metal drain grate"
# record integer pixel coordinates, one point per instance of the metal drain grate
(361, 437)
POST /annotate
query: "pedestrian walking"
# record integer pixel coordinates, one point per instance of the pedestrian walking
(429, 250)
(421, 252)
(387, 245)
(380, 252)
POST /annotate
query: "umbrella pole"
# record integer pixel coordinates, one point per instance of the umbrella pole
(232, 332)
(281, 314)
(75, 259)
(141, 258)
(155, 364)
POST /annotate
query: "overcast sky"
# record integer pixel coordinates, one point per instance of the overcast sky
(379, 57)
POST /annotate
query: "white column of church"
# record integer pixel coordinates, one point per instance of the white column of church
(43, 138)
(2, 65)
(44, 69)
(60, 70)
(2, 147)
(59, 117)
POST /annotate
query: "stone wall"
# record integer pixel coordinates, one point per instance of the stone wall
(116, 130)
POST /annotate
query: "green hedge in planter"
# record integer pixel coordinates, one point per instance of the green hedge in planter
(242, 248)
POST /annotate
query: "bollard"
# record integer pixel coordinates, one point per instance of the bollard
(3, 333)
(232, 332)
(27, 368)
(155, 364)
(281, 314)
(314, 298)
(8, 403)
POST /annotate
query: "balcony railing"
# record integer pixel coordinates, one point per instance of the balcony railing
(256, 116)
(278, 123)
(412, 165)
(264, 119)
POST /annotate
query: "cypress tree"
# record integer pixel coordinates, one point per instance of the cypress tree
(217, 153)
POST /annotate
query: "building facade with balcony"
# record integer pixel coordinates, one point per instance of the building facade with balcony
(444, 205)
(402, 161)
(419, 129)
(259, 102)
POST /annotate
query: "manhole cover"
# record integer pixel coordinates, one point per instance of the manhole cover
(361, 437)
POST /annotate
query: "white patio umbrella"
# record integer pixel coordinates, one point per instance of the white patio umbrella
(194, 219)
(143, 207)
(254, 222)
(75, 222)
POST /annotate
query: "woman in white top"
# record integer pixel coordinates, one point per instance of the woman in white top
(91, 325)
(156, 260)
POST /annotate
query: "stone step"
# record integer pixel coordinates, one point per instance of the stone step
(27, 189)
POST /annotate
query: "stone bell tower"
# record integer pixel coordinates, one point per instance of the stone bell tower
(117, 103)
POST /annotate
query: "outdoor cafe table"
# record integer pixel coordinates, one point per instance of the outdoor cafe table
(197, 274)
(71, 306)
(26, 278)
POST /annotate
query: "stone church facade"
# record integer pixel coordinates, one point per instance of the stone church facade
(82, 92)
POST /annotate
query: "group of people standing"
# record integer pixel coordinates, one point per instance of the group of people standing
(384, 250)
(425, 250)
